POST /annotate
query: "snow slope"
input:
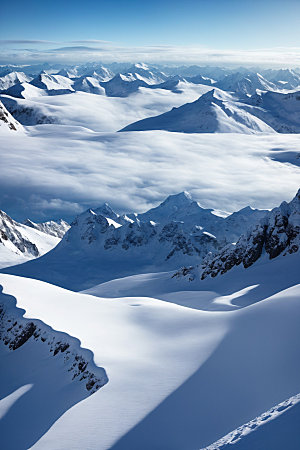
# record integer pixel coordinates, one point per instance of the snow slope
(13, 78)
(175, 380)
(275, 429)
(214, 112)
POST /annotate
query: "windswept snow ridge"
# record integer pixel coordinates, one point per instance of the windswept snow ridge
(15, 331)
(237, 436)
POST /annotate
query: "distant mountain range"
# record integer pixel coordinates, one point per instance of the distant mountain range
(240, 101)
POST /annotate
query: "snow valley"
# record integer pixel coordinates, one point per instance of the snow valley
(149, 257)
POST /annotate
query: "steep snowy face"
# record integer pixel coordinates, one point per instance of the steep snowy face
(12, 238)
(25, 90)
(19, 242)
(53, 84)
(57, 229)
(7, 122)
(283, 78)
(280, 111)
(89, 84)
(246, 84)
(221, 112)
(122, 85)
(13, 78)
(278, 233)
(27, 112)
(214, 112)
(143, 72)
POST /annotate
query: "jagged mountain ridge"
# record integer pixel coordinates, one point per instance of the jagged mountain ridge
(20, 242)
(57, 229)
(102, 245)
(278, 233)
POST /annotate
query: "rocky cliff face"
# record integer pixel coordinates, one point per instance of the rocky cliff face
(278, 233)
(7, 122)
(57, 229)
(11, 237)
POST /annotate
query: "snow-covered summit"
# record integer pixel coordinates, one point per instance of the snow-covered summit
(102, 245)
(53, 84)
(13, 78)
(214, 112)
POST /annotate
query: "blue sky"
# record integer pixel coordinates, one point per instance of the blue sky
(235, 25)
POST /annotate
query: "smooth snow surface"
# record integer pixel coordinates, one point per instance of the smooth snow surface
(163, 359)
(276, 429)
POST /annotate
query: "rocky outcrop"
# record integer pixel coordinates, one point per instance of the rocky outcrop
(11, 236)
(16, 331)
(7, 122)
(57, 229)
(278, 233)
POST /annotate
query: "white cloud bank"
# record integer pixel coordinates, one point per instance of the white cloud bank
(94, 50)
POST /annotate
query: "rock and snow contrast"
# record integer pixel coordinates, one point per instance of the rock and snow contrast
(166, 315)
(57, 229)
(277, 233)
(101, 245)
(21, 242)
(7, 121)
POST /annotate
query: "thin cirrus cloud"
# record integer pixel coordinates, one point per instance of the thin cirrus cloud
(88, 50)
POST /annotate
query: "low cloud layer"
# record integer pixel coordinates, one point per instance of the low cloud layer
(48, 175)
(16, 52)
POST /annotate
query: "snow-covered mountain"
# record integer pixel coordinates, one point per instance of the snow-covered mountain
(143, 72)
(7, 121)
(277, 233)
(57, 229)
(19, 242)
(218, 111)
(279, 111)
(28, 112)
(122, 85)
(25, 90)
(98, 72)
(13, 78)
(246, 84)
(161, 361)
(214, 112)
(53, 84)
(101, 245)
(89, 84)
(283, 78)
